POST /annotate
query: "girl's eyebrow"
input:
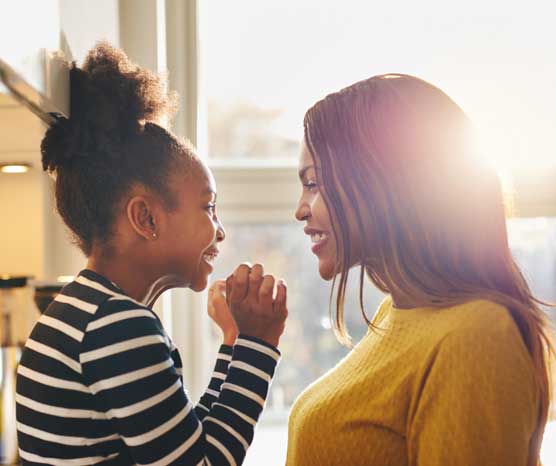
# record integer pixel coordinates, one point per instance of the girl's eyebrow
(211, 192)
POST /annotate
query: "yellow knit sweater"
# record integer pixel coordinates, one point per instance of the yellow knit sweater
(433, 387)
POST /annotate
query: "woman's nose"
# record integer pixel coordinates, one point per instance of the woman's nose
(303, 211)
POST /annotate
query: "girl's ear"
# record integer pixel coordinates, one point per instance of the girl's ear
(141, 216)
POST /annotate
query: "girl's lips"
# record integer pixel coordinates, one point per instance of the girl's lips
(209, 257)
(208, 264)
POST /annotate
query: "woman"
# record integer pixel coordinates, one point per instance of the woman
(453, 370)
(100, 380)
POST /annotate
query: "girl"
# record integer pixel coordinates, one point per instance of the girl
(100, 380)
(453, 370)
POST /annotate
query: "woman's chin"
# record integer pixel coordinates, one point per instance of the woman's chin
(326, 270)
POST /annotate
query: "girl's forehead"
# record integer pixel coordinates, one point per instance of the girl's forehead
(198, 181)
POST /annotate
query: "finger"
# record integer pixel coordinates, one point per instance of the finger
(220, 305)
(265, 292)
(255, 280)
(210, 309)
(219, 287)
(279, 305)
(240, 284)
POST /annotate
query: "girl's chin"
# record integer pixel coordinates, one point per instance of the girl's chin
(200, 284)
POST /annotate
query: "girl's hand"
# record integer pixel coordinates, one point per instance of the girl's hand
(219, 312)
(249, 294)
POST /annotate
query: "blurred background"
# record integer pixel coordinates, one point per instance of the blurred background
(246, 72)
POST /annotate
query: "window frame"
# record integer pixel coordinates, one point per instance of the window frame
(259, 192)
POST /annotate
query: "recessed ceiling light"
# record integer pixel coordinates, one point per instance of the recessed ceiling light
(14, 167)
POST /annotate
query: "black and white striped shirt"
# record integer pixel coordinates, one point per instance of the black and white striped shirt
(100, 382)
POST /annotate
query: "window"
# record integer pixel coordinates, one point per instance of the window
(265, 63)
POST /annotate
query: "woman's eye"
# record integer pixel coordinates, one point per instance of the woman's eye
(310, 185)
(211, 208)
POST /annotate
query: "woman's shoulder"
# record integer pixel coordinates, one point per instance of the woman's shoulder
(486, 331)
(483, 316)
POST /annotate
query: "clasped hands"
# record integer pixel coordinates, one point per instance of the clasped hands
(246, 303)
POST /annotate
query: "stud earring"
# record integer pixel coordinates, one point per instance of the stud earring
(154, 235)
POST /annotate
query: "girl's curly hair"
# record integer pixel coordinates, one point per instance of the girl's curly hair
(111, 141)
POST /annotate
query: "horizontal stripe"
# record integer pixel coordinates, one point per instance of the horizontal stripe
(212, 392)
(53, 354)
(178, 451)
(65, 462)
(145, 404)
(219, 375)
(160, 430)
(224, 357)
(239, 414)
(78, 303)
(50, 381)
(251, 369)
(123, 297)
(121, 347)
(200, 405)
(95, 285)
(70, 331)
(58, 410)
(258, 347)
(243, 391)
(228, 429)
(210, 439)
(132, 376)
(117, 317)
(63, 439)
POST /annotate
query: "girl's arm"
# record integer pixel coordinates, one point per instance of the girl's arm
(129, 369)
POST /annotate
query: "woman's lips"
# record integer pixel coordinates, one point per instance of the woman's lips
(319, 245)
(319, 239)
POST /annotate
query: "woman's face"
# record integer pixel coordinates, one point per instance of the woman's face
(312, 210)
(193, 228)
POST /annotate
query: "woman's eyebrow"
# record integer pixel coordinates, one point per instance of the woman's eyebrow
(304, 170)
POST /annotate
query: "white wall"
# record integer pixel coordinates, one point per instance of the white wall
(32, 238)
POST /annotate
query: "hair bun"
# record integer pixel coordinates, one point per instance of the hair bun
(55, 148)
(111, 99)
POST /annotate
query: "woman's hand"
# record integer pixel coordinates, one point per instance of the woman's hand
(249, 295)
(219, 312)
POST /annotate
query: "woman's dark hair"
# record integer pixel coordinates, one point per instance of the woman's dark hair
(110, 142)
(397, 153)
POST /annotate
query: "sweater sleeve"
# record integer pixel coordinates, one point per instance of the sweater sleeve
(215, 385)
(477, 399)
(128, 368)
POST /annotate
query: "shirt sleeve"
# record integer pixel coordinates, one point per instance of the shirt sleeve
(218, 376)
(128, 368)
(477, 401)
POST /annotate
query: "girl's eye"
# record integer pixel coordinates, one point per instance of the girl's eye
(211, 208)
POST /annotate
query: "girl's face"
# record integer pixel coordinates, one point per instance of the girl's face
(312, 210)
(193, 229)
